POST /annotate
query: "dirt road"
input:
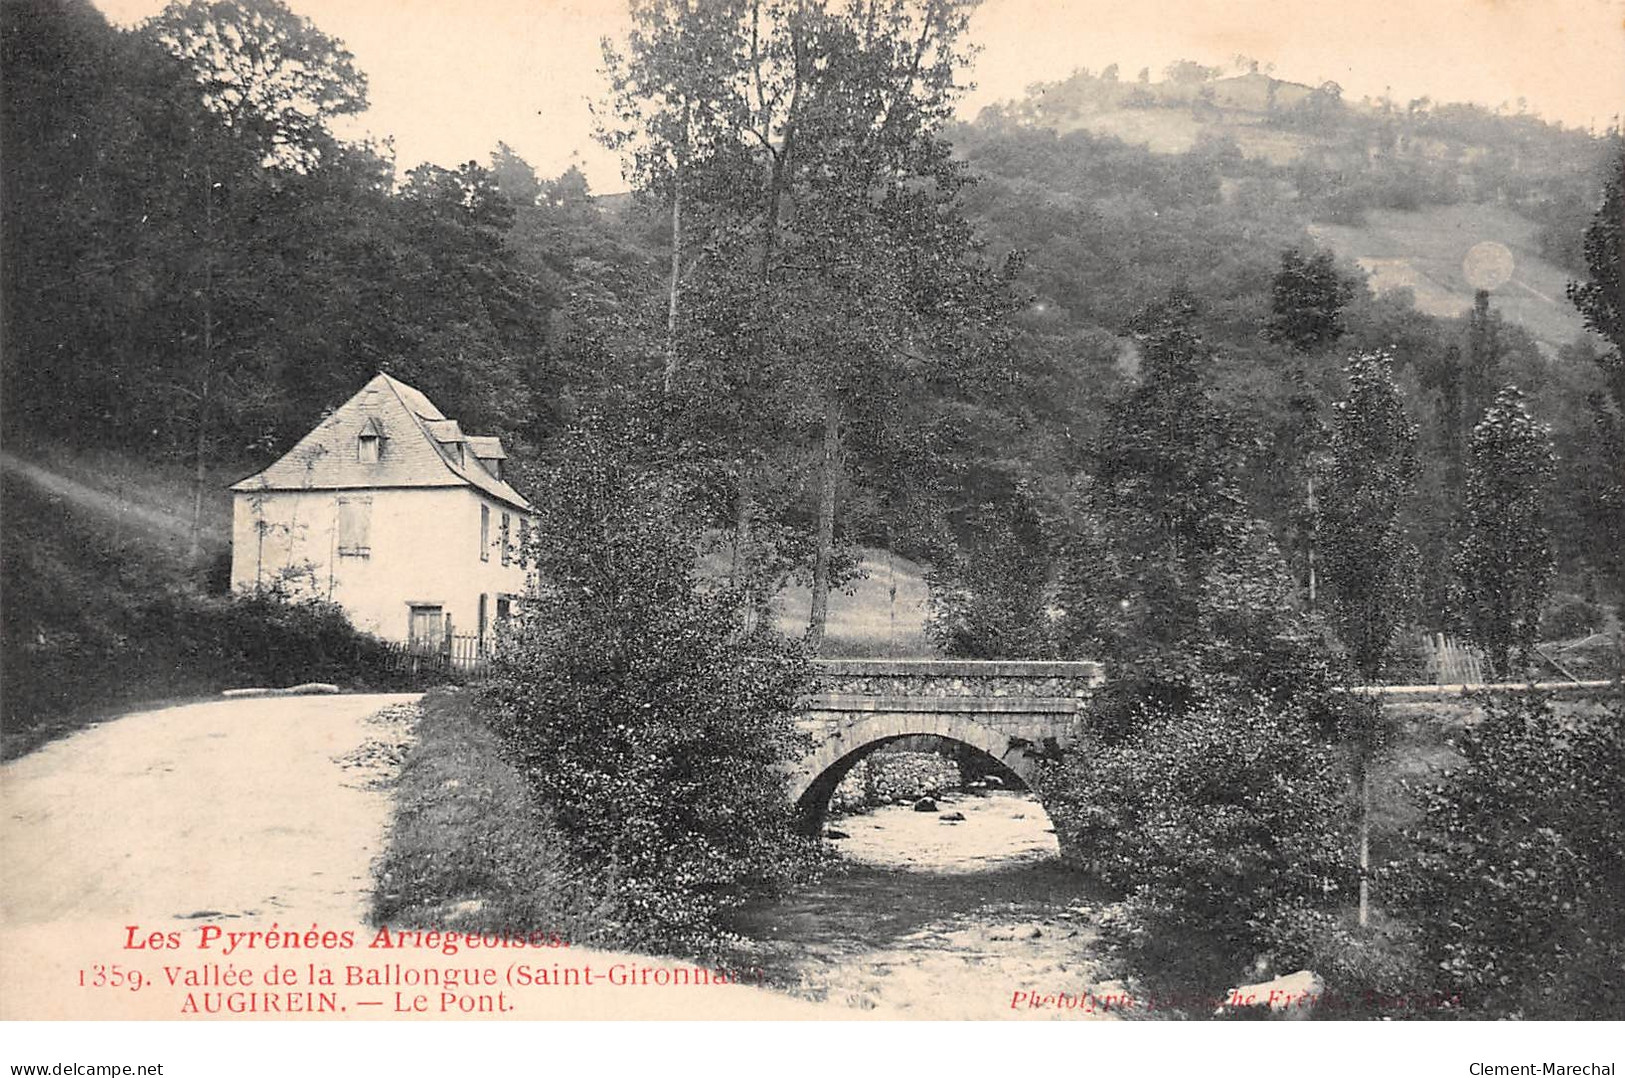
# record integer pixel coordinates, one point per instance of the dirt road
(236, 808)
(124, 846)
(236, 812)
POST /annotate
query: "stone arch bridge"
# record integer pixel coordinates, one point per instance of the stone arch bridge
(1017, 712)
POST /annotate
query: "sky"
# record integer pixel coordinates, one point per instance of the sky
(448, 80)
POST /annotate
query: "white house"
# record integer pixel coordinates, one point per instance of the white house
(389, 510)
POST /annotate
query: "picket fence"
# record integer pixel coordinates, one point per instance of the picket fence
(1451, 662)
(460, 657)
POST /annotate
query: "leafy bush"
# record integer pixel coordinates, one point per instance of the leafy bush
(990, 590)
(178, 643)
(1515, 886)
(651, 727)
(1223, 828)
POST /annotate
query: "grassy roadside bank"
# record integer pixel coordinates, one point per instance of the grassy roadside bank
(467, 848)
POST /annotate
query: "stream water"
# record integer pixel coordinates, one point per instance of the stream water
(935, 918)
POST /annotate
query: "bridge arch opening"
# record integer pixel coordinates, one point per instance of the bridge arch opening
(1018, 712)
(1011, 758)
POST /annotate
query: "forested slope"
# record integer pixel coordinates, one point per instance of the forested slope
(193, 275)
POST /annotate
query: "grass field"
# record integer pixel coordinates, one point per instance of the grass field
(1423, 250)
(880, 615)
(1176, 130)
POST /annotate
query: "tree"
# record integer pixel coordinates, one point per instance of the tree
(270, 76)
(1599, 300)
(1505, 562)
(1307, 300)
(678, 99)
(836, 265)
(1164, 574)
(274, 82)
(653, 729)
(990, 592)
(1369, 563)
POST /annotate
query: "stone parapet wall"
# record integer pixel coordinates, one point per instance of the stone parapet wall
(1026, 724)
(950, 678)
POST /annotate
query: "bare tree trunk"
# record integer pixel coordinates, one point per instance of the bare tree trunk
(1365, 836)
(674, 291)
(744, 507)
(200, 476)
(1313, 524)
(819, 617)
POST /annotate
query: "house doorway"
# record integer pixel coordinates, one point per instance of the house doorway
(426, 629)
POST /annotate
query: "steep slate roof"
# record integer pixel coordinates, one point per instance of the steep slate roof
(418, 447)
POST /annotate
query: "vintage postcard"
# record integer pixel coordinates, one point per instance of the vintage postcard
(814, 510)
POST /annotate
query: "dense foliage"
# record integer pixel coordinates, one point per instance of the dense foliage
(1506, 554)
(1369, 474)
(647, 723)
(1515, 885)
(1224, 828)
(841, 317)
(197, 267)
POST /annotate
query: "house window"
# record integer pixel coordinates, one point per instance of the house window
(507, 553)
(485, 533)
(504, 608)
(355, 527)
(485, 619)
(367, 448)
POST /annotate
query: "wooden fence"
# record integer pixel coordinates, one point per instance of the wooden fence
(462, 657)
(1453, 663)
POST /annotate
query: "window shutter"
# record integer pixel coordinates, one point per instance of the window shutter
(355, 527)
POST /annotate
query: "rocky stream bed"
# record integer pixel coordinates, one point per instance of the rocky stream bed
(934, 918)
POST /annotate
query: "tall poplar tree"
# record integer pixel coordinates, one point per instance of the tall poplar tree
(1369, 563)
(1506, 559)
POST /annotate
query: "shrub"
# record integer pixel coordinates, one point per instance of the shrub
(172, 642)
(989, 590)
(650, 726)
(1222, 827)
(1515, 886)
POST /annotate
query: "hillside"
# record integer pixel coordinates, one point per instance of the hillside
(105, 608)
(1426, 251)
(1404, 190)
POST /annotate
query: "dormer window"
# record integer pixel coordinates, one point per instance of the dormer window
(367, 443)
